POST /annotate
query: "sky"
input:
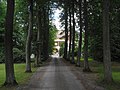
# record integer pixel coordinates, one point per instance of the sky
(57, 23)
(56, 20)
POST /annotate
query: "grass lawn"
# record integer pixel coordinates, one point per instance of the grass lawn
(82, 59)
(116, 77)
(98, 68)
(20, 74)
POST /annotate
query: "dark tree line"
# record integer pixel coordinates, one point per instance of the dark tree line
(90, 13)
(91, 16)
(38, 34)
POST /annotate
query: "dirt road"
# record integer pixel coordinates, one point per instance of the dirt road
(56, 76)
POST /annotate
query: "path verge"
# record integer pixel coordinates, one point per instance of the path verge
(87, 79)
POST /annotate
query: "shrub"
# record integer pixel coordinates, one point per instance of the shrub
(18, 55)
(2, 57)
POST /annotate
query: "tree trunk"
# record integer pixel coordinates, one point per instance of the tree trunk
(46, 34)
(106, 43)
(80, 35)
(66, 31)
(73, 38)
(9, 67)
(29, 38)
(42, 34)
(38, 57)
(86, 64)
(70, 39)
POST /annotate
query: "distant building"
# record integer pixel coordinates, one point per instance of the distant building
(60, 38)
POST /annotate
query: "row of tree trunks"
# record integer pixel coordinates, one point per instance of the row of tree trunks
(106, 41)
(72, 34)
(9, 67)
(42, 34)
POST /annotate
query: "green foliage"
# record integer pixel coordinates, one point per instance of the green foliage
(19, 33)
(2, 20)
(52, 36)
(2, 56)
(2, 10)
(96, 29)
(115, 30)
(20, 24)
(62, 49)
(18, 55)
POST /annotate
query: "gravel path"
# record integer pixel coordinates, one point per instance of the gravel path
(55, 76)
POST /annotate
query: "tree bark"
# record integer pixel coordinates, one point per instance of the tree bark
(106, 43)
(70, 39)
(66, 31)
(46, 33)
(73, 38)
(9, 67)
(38, 57)
(29, 38)
(86, 64)
(80, 35)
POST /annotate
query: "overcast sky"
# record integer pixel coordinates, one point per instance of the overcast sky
(56, 20)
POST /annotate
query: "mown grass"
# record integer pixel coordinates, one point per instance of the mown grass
(97, 68)
(115, 85)
(21, 76)
(2, 74)
(82, 59)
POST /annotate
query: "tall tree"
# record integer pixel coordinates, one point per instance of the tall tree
(46, 31)
(29, 37)
(70, 30)
(86, 64)
(66, 29)
(73, 32)
(9, 67)
(106, 43)
(38, 49)
(80, 35)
